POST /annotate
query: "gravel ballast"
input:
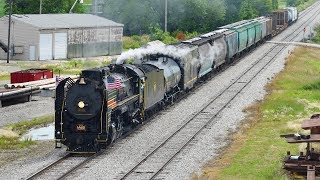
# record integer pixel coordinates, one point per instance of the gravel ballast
(125, 153)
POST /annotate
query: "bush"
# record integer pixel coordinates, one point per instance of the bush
(193, 34)
(316, 39)
(135, 41)
(165, 37)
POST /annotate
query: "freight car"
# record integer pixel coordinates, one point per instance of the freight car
(104, 103)
(281, 19)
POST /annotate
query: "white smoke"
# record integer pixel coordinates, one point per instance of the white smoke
(154, 47)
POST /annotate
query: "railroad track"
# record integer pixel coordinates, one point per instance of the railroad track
(155, 162)
(63, 167)
(162, 155)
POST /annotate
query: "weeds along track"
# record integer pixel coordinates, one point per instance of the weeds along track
(63, 167)
(155, 162)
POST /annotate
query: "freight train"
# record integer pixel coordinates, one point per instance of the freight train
(107, 102)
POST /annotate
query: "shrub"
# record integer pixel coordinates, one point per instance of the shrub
(316, 39)
(135, 41)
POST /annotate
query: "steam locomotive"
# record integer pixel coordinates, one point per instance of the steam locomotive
(107, 102)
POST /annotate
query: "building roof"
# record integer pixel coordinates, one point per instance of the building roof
(64, 21)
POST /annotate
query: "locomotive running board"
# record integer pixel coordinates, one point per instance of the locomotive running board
(133, 98)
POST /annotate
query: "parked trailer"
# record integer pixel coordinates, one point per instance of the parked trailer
(23, 94)
(31, 75)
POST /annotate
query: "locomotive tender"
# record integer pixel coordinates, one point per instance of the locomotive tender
(104, 103)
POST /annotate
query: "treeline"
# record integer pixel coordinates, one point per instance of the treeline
(47, 6)
(2, 12)
(295, 2)
(141, 16)
(146, 16)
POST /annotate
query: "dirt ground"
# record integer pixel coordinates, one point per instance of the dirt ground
(39, 150)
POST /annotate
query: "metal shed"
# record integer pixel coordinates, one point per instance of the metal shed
(61, 36)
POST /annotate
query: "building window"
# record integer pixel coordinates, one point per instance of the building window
(99, 9)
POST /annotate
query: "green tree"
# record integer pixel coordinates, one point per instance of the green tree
(196, 15)
(137, 15)
(263, 7)
(247, 10)
(294, 2)
(2, 11)
(232, 11)
(185, 15)
(275, 4)
(48, 6)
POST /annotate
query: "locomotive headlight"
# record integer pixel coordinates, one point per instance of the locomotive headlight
(81, 104)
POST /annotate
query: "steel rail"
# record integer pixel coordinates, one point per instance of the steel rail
(59, 162)
(42, 171)
(219, 95)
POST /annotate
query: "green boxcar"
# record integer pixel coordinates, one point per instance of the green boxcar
(258, 26)
(266, 26)
(247, 32)
(231, 38)
(251, 28)
(263, 22)
(242, 33)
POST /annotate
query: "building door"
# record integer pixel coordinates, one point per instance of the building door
(45, 46)
(32, 53)
(60, 45)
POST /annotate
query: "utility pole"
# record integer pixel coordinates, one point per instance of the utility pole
(9, 31)
(40, 10)
(166, 16)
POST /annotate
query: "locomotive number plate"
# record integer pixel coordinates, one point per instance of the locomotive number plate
(81, 127)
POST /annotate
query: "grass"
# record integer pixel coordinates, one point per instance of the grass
(257, 150)
(87, 1)
(305, 4)
(14, 143)
(75, 66)
(23, 126)
(4, 77)
(69, 67)
(10, 136)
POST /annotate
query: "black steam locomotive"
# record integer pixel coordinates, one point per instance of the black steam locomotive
(104, 103)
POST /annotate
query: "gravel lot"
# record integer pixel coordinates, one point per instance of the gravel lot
(39, 106)
(125, 153)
